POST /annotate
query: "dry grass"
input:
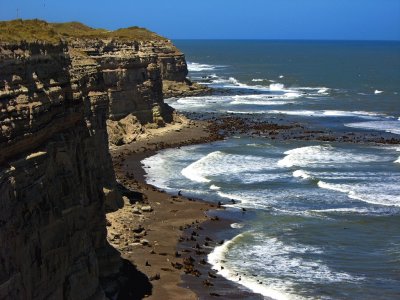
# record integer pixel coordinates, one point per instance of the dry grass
(38, 30)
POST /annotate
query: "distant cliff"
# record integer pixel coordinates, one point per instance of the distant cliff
(59, 84)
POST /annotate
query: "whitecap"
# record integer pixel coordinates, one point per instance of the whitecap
(329, 113)
(237, 225)
(214, 187)
(197, 171)
(386, 194)
(276, 86)
(323, 91)
(378, 92)
(279, 260)
(257, 80)
(265, 99)
(324, 155)
(302, 174)
(344, 210)
(197, 67)
(281, 76)
(384, 125)
(231, 166)
(216, 258)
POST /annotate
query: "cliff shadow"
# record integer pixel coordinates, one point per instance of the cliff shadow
(133, 196)
(135, 285)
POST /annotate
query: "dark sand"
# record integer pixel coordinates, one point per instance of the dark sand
(169, 247)
(162, 241)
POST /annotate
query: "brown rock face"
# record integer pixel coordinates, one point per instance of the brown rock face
(54, 164)
(133, 74)
(56, 175)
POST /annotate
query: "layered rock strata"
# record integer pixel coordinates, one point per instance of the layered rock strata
(56, 176)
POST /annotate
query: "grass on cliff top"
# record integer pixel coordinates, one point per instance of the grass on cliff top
(38, 30)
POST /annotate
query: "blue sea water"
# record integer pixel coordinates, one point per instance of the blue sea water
(323, 219)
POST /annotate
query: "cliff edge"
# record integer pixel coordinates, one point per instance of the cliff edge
(61, 86)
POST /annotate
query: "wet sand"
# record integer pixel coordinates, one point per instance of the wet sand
(167, 236)
(163, 239)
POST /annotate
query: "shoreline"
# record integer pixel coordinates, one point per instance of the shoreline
(181, 244)
(169, 252)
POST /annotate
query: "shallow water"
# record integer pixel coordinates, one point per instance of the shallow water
(322, 219)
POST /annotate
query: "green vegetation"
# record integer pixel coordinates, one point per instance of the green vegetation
(28, 30)
(38, 30)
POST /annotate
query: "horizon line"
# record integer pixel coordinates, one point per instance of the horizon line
(281, 40)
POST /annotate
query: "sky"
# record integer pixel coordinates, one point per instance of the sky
(223, 19)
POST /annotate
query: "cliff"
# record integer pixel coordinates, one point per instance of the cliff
(59, 86)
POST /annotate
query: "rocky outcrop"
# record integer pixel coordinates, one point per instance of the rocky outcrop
(174, 72)
(131, 77)
(124, 131)
(184, 89)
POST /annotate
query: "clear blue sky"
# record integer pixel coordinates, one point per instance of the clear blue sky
(220, 19)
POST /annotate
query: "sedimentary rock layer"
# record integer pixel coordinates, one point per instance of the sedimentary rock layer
(56, 175)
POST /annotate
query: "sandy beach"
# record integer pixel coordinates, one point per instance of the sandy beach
(160, 232)
(168, 237)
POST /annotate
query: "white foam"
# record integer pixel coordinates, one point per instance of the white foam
(398, 160)
(384, 125)
(341, 113)
(269, 255)
(158, 167)
(216, 258)
(156, 174)
(231, 166)
(352, 210)
(197, 67)
(378, 92)
(302, 174)
(214, 187)
(276, 87)
(237, 225)
(257, 80)
(265, 99)
(328, 113)
(323, 91)
(198, 170)
(199, 103)
(373, 193)
(324, 156)
(235, 197)
(281, 76)
(234, 81)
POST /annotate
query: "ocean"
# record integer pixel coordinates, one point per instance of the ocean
(322, 219)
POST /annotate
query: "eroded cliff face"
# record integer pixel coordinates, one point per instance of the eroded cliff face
(132, 75)
(57, 101)
(131, 79)
(55, 173)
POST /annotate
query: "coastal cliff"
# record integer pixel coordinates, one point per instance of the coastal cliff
(60, 85)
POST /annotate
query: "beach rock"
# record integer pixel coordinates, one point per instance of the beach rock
(184, 88)
(113, 200)
(136, 210)
(138, 229)
(146, 208)
(144, 242)
(155, 277)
